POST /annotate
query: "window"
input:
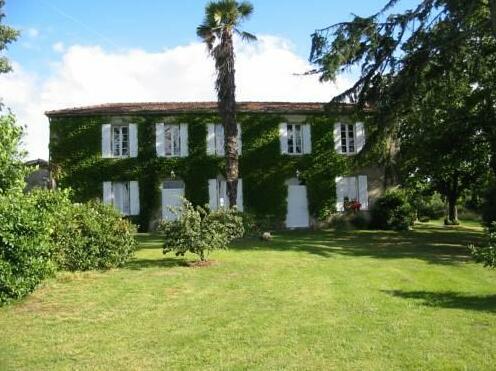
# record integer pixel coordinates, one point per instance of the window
(172, 140)
(295, 139)
(120, 141)
(352, 188)
(124, 196)
(215, 140)
(347, 138)
(121, 197)
(217, 190)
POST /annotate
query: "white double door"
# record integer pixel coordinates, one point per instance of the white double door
(172, 201)
(297, 216)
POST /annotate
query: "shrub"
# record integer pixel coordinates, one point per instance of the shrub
(25, 246)
(200, 231)
(359, 221)
(93, 236)
(489, 206)
(340, 222)
(430, 207)
(486, 254)
(393, 211)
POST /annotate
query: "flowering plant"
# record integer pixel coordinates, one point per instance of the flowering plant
(352, 205)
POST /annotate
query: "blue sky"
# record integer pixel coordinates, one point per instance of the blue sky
(74, 53)
(153, 25)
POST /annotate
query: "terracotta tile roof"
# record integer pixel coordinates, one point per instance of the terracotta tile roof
(189, 107)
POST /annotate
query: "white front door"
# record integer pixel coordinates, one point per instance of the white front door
(171, 198)
(297, 216)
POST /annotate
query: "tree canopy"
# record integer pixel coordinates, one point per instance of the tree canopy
(7, 35)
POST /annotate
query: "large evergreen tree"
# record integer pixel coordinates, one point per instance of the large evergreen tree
(222, 20)
(398, 52)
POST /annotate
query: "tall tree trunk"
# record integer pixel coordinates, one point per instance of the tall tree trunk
(452, 198)
(452, 209)
(227, 107)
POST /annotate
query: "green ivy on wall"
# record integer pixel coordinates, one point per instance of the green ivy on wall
(75, 150)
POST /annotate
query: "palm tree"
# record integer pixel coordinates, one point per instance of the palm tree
(221, 22)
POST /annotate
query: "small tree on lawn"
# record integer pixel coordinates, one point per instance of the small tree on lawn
(200, 231)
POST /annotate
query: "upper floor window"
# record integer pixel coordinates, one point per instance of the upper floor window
(120, 140)
(295, 139)
(349, 138)
(171, 140)
(215, 140)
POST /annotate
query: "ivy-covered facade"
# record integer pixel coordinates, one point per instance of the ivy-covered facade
(297, 148)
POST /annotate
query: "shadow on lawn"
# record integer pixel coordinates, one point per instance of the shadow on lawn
(431, 244)
(138, 264)
(449, 299)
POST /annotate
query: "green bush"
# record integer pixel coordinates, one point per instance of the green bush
(93, 236)
(25, 246)
(340, 222)
(359, 221)
(201, 231)
(486, 254)
(489, 206)
(430, 207)
(393, 211)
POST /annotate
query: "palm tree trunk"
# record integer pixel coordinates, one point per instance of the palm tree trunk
(227, 107)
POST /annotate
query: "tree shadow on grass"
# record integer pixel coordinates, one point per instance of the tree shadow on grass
(449, 299)
(139, 264)
(433, 245)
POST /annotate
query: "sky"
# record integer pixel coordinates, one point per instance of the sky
(74, 53)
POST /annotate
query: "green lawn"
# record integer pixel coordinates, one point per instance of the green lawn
(306, 300)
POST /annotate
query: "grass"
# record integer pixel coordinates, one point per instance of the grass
(306, 300)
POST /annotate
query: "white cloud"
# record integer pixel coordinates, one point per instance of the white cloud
(266, 70)
(32, 32)
(58, 47)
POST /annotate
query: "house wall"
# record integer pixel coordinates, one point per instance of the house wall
(75, 150)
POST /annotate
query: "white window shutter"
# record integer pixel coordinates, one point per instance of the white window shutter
(134, 198)
(159, 139)
(184, 140)
(106, 141)
(212, 194)
(239, 198)
(337, 137)
(133, 140)
(283, 137)
(363, 193)
(307, 139)
(211, 139)
(239, 141)
(360, 136)
(352, 190)
(107, 193)
(340, 191)
(223, 199)
(219, 140)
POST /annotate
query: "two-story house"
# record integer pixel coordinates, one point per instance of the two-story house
(144, 157)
